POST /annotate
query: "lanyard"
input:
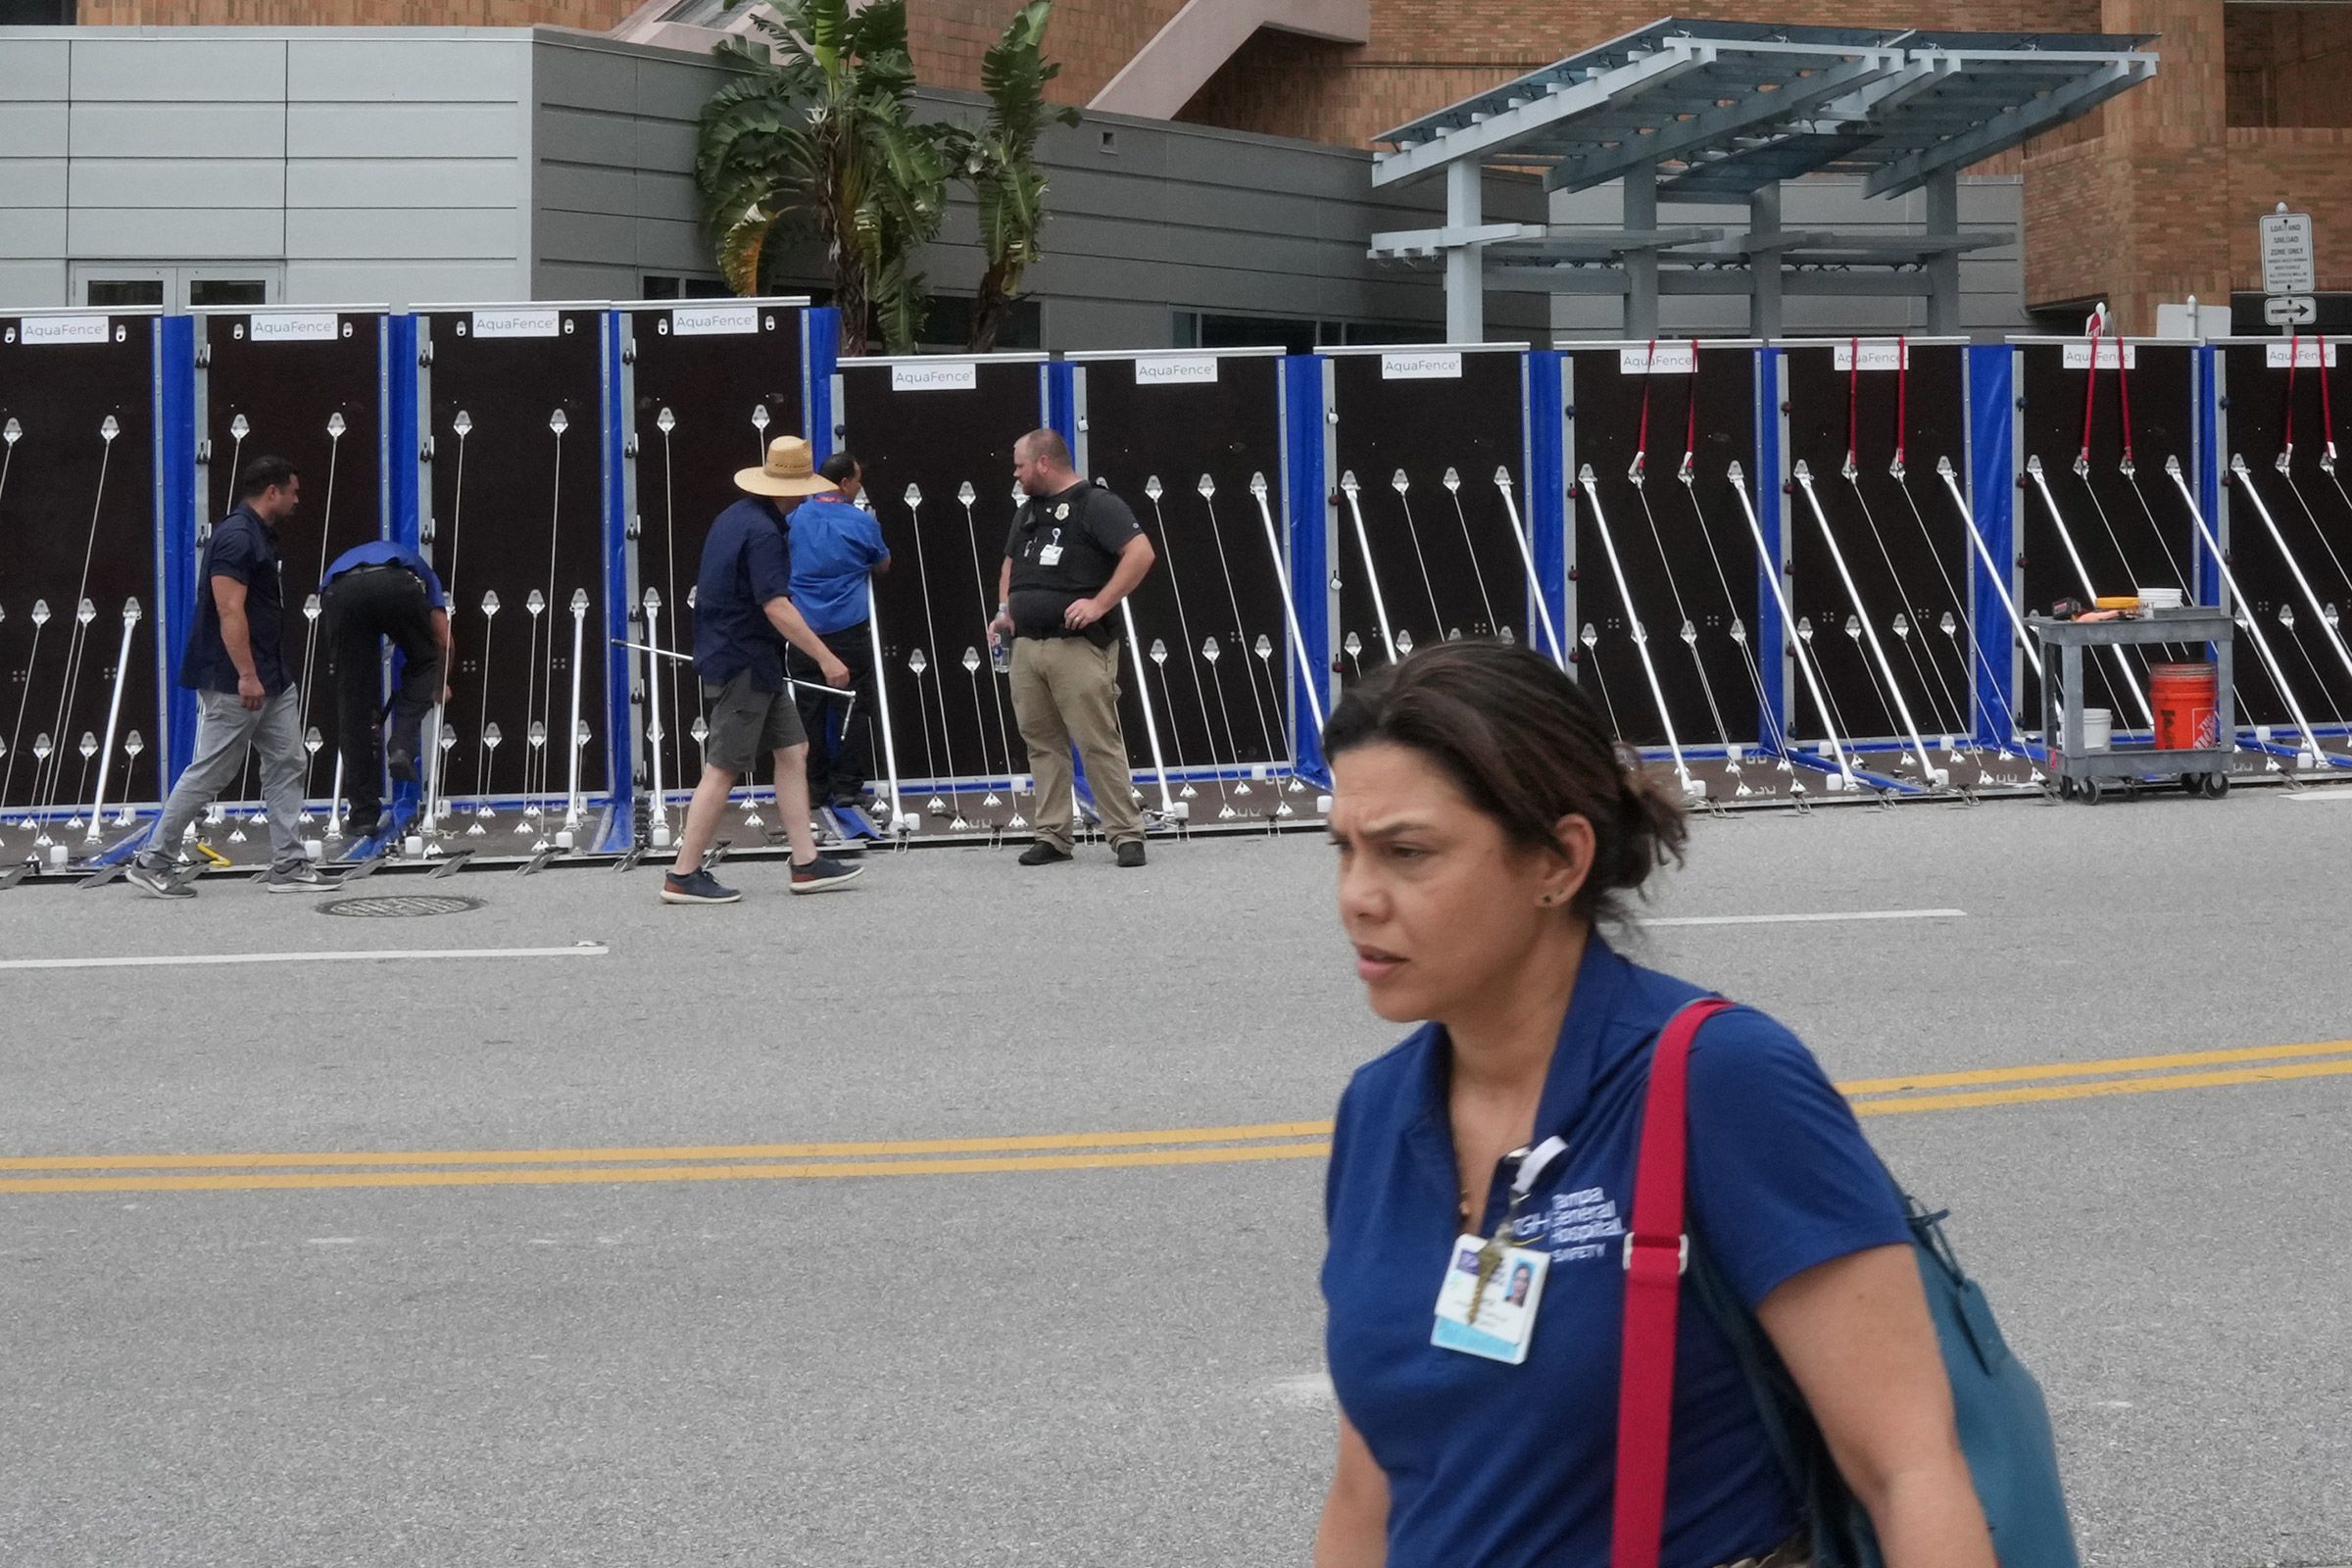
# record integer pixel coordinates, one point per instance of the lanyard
(1530, 1164)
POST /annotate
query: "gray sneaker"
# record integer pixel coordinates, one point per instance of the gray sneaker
(301, 878)
(164, 881)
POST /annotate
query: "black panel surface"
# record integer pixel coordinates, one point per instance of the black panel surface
(77, 513)
(2131, 531)
(1445, 561)
(1903, 540)
(287, 398)
(517, 507)
(725, 397)
(1215, 578)
(1701, 549)
(942, 586)
(2311, 511)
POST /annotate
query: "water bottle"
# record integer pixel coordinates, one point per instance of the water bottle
(1000, 652)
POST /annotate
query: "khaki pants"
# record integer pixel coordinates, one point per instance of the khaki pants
(1065, 690)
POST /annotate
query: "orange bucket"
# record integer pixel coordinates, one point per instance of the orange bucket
(2187, 702)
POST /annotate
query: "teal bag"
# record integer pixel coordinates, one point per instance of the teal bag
(2003, 1422)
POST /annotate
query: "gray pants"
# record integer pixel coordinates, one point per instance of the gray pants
(228, 728)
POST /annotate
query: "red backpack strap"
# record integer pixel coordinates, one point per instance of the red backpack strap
(1656, 1252)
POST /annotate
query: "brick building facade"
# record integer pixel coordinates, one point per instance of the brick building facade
(2154, 198)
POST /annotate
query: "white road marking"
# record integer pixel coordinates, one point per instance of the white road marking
(578, 950)
(2321, 795)
(1310, 1389)
(1810, 920)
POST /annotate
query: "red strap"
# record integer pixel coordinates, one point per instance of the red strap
(2090, 390)
(2327, 409)
(1654, 1256)
(2294, 357)
(1902, 395)
(1853, 404)
(1691, 433)
(1642, 445)
(2123, 389)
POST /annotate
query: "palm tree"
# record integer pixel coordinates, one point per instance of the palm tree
(819, 134)
(1000, 163)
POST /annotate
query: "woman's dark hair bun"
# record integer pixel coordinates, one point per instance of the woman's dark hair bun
(1522, 741)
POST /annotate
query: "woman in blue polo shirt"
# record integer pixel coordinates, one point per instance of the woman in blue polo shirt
(1485, 824)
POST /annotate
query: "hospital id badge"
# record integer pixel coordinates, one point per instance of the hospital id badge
(1506, 1320)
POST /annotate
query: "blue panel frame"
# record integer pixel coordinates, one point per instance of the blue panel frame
(2209, 467)
(620, 783)
(1305, 499)
(1060, 386)
(403, 433)
(1547, 494)
(1993, 498)
(1772, 635)
(174, 598)
(820, 352)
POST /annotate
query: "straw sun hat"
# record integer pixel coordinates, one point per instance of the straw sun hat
(789, 472)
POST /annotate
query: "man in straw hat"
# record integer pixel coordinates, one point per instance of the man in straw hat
(743, 619)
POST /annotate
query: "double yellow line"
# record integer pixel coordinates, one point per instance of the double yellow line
(1061, 1152)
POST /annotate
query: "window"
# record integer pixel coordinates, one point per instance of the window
(663, 286)
(36, 13)
(124, 293)
(2284, 64)
(226, 293)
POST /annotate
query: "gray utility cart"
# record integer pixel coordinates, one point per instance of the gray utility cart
(2080, 771)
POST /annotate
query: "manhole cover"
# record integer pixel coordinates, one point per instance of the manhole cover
(400, 907)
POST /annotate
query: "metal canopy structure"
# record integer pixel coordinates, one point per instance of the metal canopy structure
(1723, 112)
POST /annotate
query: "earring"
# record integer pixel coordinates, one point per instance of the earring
(1548, 900)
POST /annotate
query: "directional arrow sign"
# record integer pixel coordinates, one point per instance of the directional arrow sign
(2296, 310)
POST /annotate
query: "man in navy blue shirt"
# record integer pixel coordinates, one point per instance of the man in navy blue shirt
(743, 619)
(245, 697)
(376, 592)
(837, 549)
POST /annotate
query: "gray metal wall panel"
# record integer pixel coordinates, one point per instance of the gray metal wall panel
(453, 233)
(596, 238)
(585, 135)
(672, 247)
(493, 69)
(187, 70)
(32, 285)
(32, 68)
(667, 198)
(426, 130)
(397, 182)
(33, 182)
(32, 130)
(585, 79)
(31, 233)
(176, 130)
(405, 282)
(575, 187)
(185, 233)
(246, 183)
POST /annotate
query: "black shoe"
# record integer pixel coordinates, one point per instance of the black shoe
(1131, 853)
(401, 765)
(700, 887)
(1042, 853)
(823, 874)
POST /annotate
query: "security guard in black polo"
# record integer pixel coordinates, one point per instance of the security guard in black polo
(1074, 552)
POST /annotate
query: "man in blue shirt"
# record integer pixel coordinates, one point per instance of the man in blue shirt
(743, 619)
(837, 548)
(376, 592)
(245, 697)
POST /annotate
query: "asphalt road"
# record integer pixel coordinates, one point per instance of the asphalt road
(669, 1359)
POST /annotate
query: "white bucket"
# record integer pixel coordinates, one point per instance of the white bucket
(2099, 729)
